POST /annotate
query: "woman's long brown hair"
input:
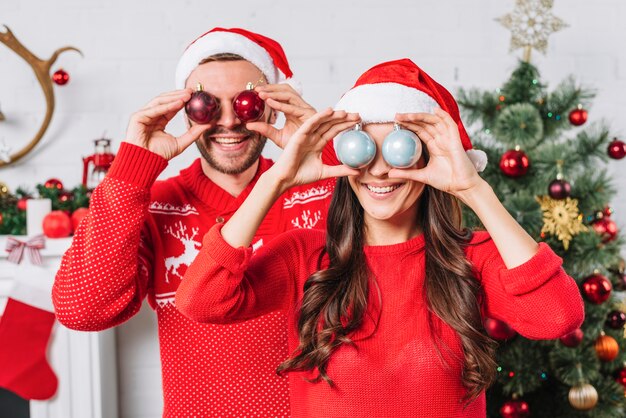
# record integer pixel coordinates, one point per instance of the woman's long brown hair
(334, 302)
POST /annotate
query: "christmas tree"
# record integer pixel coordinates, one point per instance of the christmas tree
(549, 172)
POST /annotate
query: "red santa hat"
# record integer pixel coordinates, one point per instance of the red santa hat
(402, 87)
(265, 53)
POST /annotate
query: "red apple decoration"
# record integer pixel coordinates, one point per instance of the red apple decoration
(78, 216)
(57, 224)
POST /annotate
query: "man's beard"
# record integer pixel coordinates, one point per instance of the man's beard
(238, 164)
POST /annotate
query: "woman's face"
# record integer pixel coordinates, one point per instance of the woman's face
(384, 198)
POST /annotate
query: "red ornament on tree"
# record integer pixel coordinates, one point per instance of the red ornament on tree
(202, 107)
(606, 228)
(515, 409)
(514, 163)
(21, 203)
(499, 330)
(616, 149)
(616, 319)
(578, 116)
(606, 347)
(620, 377)
(597, 288)
(572, 339)
(60, 77)
(559, 189)
(247, 105)
(53, 184)
(57, 224)
(66, 196)
(78, 216)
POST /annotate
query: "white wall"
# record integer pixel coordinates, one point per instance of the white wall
(131, 48)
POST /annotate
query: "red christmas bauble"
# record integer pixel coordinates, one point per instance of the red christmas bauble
(606, 228)
(202, 108)
(616, 319)
(578, 116)
(66, 196)
(499, 330)
(53, 184)
(616, 149)
(597, 288)
(57, 224)
(21, 203)
(620, 377)
(559, 189)
(572, 339)
(78, 216)
(60, 77)
(515, 409)
(514, 163)
(1, 219)
(248, 106)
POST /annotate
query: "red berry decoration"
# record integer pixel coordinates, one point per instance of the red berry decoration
(78, 216)
(620, 377)
(499, 330)
(53, 184)
(617, 149)
(606, 228)
(515, 409)
(559, 189)
(572, 339)
(248, 106)
(616, 320)
(514, 163)
(597, 288)
(21, 203)
(57, 224)
(202, 107)
(60, 77)
(578, 116)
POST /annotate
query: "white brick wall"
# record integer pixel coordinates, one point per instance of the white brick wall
(131, 48)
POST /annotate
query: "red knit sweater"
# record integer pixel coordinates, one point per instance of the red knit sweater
(395, 371)
(138, 240)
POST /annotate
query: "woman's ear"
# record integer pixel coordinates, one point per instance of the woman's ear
(273, 117)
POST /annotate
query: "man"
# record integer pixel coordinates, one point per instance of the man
(141, 235)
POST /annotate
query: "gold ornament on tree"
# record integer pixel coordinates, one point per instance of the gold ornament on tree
(583, 397)
(606, 347)
(531, 23)
(561, 218)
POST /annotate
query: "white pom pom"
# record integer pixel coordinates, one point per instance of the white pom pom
(295, 84)
(478, 158)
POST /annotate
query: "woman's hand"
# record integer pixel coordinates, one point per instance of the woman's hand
(146, 128)
(449, 168)
(282, 98)
(301, 160)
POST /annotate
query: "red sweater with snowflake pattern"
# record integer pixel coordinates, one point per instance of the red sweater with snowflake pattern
(393, 369)
(138, 240)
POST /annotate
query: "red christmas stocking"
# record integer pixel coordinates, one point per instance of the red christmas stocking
(24, 369)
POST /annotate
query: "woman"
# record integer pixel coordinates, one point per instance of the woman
(386, 308)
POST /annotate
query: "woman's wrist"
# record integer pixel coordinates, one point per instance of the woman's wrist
(476, 194)
(274, 182)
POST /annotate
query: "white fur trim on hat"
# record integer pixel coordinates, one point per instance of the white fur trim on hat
(379, 103)
(478, 158)
(225, 42)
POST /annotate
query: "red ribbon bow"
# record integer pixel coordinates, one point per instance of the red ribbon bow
(15, 248)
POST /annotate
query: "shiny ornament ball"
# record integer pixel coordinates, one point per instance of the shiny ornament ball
(514, 163)
(355, 148)
(617, 149)
(78, 216)
(607, 348)
(616, 320)
(248, 106)
(499, 330)
(620, 377)
(572, 339)
(66, 196)
(597, 288)
(4, 189)
(53, 184)
(515, 409)
(21, 203)
(60, 77)
(583, 397)
(559, 189)
(606, 228)
(202, 107)
(402, 148)
(57, 224)
(578, 116)
(1, 219)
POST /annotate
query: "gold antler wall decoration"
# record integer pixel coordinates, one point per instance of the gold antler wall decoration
(41, 68)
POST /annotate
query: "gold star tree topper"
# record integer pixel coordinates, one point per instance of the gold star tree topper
(530, 23)
(561, 218)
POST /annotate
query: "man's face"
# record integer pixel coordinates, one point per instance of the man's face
(228, 147)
